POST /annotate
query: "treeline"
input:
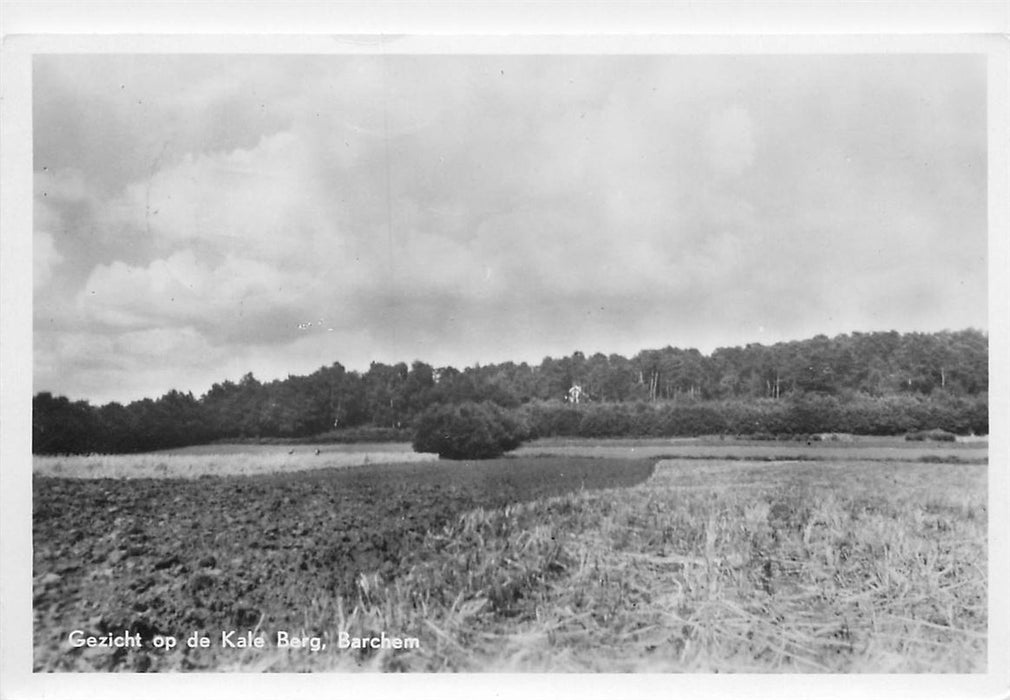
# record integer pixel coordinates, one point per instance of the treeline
(807, 414)
(875, 383)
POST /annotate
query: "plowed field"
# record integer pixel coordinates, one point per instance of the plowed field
(170, 556)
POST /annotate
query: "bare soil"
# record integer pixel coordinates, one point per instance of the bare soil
(170, 556)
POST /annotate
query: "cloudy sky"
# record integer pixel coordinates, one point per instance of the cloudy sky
(198, 217)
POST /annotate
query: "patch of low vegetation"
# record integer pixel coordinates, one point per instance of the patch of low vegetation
(936, 435)
(783, 437)
(338, 436)
(360, 434)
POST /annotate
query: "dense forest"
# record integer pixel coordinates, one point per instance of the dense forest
(868, 383)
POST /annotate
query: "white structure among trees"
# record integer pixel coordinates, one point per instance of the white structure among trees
(575, 393)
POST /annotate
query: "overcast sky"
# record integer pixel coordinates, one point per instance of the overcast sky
(198, 217)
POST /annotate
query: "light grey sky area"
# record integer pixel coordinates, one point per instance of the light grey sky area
(197, 217)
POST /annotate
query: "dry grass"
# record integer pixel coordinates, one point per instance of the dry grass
(881, 449)
(742, 567)
(191, 466)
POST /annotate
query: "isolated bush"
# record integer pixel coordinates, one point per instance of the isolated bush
(935, 434)
(468, 431)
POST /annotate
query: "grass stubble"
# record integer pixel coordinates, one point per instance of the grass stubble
(706, 567)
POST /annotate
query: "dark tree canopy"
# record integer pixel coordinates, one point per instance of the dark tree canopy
(809, 383)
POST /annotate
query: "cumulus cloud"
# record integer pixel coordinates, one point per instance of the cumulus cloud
(259, 199)
(281, 213)
(237, 300)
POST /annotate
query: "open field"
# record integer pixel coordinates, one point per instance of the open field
(224, 460)
(861, 448)
(303, 449)
(852, 561)
(164, 556)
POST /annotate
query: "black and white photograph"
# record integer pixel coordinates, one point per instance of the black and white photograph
(530, 359)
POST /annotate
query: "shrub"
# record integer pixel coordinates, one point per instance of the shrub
(978, 415)
(684, 420)
(468, 431)
(604, 421)
(935, 434)
(812, 413)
